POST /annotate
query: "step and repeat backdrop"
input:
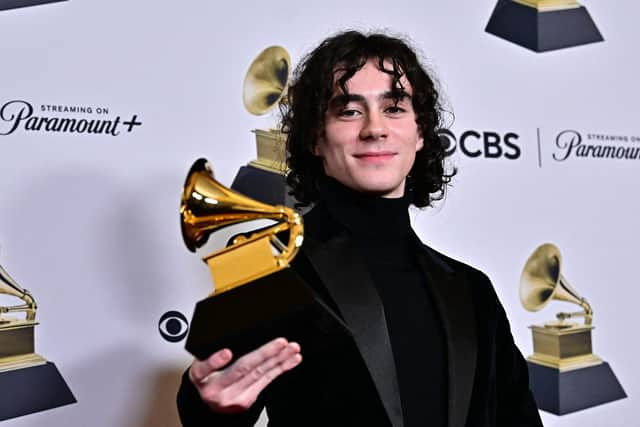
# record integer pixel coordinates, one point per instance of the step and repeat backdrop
(104, 105)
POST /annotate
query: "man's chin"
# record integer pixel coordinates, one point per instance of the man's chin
(385, 191)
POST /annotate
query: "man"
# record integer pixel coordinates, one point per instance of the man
(431, 344)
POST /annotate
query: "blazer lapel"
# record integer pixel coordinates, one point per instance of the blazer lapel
(343, 273)
(452, 297)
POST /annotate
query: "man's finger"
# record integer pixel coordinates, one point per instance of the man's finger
(265, 368)
(201, 369)
(251, 393)
(247, 363)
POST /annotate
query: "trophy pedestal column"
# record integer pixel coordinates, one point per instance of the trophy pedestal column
(564, 392)
(263, 179)
(262, 185)
(32, 389)
(14, 4)
(248, 316)
(542, 31)
(564, 375)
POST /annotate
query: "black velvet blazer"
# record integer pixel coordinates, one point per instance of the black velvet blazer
(355, 384)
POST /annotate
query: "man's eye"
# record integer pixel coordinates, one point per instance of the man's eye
(348, 113)
(394, 109)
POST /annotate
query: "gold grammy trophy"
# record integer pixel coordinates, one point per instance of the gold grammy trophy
(543, 25)
(265, 86)
(565, 374)
(17, 348)
(258, 296)
(35, 383)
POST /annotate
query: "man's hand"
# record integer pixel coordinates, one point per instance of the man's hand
(235, 388)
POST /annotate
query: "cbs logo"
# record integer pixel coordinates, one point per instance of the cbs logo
(173, 326)
(490, 145)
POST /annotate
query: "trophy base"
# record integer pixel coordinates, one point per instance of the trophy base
(542, 31)
(33, 389)
(248, 316)
(14, 4)
(20, 362)
(563, 346)
(16, 338)
(565, 392)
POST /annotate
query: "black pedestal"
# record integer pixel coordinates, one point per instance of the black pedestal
(264, 186)
(564, 392)
(34, 389)
(246, 317)
(542, 31)
(13, 4)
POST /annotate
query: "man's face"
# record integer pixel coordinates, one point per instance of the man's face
(371, 135)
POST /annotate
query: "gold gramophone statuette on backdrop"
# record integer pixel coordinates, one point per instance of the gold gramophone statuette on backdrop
(265, 85)
(559, 344)
(17, 348)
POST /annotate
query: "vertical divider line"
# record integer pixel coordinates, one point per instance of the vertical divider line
(539, 149)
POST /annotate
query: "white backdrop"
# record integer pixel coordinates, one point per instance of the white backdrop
(89, 222)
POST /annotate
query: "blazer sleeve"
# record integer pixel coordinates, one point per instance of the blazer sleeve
(195, 413)
(515, 403)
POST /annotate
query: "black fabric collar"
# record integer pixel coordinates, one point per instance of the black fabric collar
(364, 215)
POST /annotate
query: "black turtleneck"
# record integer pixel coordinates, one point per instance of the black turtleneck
(381, 229)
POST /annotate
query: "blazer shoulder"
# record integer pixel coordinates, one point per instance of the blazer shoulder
(477, 281)
(453, 265)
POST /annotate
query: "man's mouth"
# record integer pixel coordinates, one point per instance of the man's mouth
(375, 156)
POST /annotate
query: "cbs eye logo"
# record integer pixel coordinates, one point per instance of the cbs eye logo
(173, 326)
(488, 144)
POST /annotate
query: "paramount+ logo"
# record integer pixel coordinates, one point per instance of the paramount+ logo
(595, 145)
(22, 116)
(481, 144)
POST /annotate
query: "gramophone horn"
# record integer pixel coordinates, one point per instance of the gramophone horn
(266, 80)
(9, 286)
(541, 281)
(207, 206)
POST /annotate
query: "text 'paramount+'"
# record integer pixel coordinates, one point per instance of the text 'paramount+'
(19, 115)
(570, 143)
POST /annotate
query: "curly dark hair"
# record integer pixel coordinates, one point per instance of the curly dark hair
(303, 116)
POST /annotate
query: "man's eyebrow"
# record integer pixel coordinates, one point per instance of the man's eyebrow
(396, 94)
(344, 99)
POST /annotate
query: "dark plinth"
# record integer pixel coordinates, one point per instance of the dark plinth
(246, 317)
(564, 392)
(542, 31)
(264, 186)
(13, 4)
(33, 389)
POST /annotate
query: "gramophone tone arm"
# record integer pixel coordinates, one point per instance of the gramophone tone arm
(587, 313)
(293, 223)
(29, 307)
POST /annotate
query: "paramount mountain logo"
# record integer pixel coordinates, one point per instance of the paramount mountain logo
(19, 115)
(14, 4)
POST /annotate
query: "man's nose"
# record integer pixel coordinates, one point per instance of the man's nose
(374, 126)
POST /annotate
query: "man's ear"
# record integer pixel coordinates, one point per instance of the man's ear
(315, 150)
(419, 143)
